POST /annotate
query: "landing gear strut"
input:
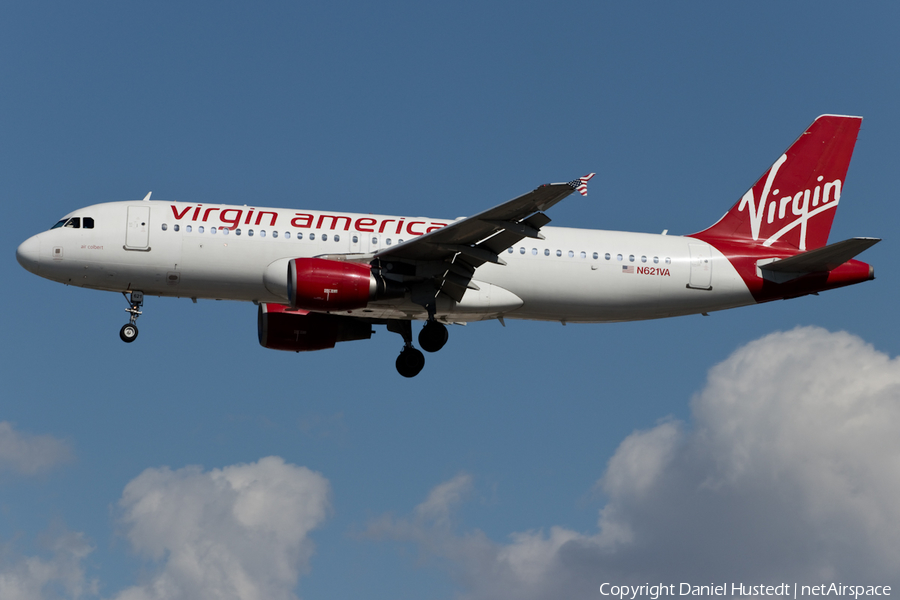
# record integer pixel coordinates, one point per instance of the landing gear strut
(411, 360)
(129, 331)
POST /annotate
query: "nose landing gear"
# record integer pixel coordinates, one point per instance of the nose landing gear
(129, 331)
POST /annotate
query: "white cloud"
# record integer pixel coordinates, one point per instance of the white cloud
(790, 471)
(239, 532)
(444, 497)
(30, 454)
(36, 578)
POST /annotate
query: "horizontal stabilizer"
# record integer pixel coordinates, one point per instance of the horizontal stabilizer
(826, 258)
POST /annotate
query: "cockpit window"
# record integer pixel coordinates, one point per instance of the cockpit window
(75, 223)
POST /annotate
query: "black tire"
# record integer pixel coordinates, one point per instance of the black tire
(433, 336)
(128, 333)
(410, 362)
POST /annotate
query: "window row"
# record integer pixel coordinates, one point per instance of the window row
(595, 255)
(275, 234)
(387, 242)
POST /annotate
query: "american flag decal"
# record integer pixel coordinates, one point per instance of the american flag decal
(628, 269)
(580, 184)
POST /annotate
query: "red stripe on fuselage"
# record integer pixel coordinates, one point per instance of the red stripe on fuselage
(743, 257)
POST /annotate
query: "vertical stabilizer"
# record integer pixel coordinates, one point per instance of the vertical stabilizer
(792, 205)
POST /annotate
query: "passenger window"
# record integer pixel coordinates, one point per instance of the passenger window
(274, 234)
(200, 229)
(212, 229)
(374, 241)
(521, 249)
(596, 256)
(249, 233)
(534, 251)
(355, 239)
(387, 242)
(237, 232)
(631, 258)
(324, 237)
(337, 238)
(668, 260)
(164, 226)
(312, 236)
(559, 253)
(618, 257)
(300, 235)
(287, 235)
(571, 254)
(583, 254)
(510, 250)
(176, 227)
(262, 233)
(88, 223)
(655, 260)
(224, 231)
(546, 251)
(643, 259)
(607, 256)
(188, 228)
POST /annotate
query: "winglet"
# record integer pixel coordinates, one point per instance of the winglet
(580, 184)
(147, 197)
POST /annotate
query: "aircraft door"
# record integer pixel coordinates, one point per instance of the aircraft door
(701, 267)
(137, 234)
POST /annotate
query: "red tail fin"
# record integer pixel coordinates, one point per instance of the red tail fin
(792, 205)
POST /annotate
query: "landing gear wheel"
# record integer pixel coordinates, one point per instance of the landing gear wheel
(433, 336)
(410, 362)
(128, 333)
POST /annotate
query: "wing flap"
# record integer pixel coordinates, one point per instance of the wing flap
(472, 230)
(468, 243)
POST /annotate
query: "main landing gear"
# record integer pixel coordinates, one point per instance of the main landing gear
(432, 338)
(129, 331)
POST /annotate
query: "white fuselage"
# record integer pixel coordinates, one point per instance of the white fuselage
(238, 253)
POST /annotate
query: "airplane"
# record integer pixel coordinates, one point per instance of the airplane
(323, 277)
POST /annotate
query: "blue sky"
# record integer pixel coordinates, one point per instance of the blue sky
(510, 436)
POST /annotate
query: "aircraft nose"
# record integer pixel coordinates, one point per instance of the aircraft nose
(29, 254)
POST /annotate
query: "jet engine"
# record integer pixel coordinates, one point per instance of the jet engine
(330, 285)
(284, 328)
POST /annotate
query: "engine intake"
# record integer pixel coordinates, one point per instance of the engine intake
(330, 285)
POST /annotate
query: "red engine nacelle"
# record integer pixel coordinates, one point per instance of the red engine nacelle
(331, 285)
(283, 328)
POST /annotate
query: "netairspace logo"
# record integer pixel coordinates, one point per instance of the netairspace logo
(784, 590)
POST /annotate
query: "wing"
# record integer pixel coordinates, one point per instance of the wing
(445, 260)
